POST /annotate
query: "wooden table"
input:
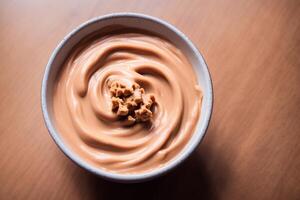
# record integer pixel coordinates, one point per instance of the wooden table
(252, 147)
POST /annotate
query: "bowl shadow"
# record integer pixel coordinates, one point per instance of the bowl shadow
(203, 175)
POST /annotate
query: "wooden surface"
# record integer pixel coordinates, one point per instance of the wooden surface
(251, 150)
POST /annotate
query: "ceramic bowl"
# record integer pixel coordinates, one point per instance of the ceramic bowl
(148, 23)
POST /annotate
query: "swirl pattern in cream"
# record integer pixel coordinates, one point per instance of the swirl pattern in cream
(82, 102)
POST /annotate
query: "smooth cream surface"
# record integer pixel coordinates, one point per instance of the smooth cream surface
(82, 101)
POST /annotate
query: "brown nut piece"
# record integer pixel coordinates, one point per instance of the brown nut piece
(131, 102)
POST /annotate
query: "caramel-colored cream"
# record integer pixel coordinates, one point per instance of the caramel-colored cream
(83, 106)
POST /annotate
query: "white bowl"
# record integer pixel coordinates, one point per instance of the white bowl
(147, 23)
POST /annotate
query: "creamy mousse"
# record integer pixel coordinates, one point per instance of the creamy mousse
(126, 102)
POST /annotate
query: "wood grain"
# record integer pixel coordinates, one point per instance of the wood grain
(251, 150)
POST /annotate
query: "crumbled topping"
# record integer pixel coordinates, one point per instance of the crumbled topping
(131, 102)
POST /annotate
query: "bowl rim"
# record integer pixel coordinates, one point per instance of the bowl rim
(126, 178)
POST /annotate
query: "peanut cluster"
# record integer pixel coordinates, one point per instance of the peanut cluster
(131, 103)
